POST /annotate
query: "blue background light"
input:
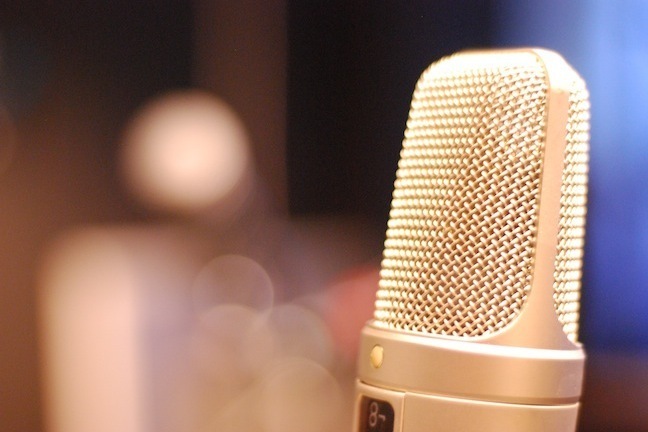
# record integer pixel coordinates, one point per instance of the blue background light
(607, 42)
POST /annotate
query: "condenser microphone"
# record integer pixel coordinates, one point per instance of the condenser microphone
(476, 319)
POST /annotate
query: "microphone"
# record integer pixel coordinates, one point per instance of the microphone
(476, 316)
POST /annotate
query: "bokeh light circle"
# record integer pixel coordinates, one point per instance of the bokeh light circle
(232, 279)
(186, 152)
(298, 395)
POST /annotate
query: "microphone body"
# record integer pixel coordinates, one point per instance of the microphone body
(476, 319)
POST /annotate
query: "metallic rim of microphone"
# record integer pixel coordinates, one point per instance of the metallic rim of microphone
(444, 366)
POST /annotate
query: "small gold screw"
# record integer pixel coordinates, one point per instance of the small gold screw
(376, 356)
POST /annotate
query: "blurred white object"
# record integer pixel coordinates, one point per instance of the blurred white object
(114, 326)
(187, 152)
(90, 320)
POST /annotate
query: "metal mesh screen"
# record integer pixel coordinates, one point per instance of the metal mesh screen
(573, 196)
(461, 236)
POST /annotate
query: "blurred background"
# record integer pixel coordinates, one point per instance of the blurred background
(194, 197)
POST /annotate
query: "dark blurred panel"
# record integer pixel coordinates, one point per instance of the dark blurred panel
(352, 70)
(240, 53)
(71, 73)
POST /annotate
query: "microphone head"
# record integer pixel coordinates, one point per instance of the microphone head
(489, 200)
(476, 320)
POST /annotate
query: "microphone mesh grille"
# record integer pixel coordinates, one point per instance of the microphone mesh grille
(573, 197)
(461, 236)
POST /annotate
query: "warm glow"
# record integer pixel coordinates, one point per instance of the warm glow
(187, 152)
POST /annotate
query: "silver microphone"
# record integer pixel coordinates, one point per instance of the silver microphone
(476, 319)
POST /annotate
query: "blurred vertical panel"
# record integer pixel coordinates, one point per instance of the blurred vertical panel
(240, 54)
(91, 329)
(70, 74)
(115, 315)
